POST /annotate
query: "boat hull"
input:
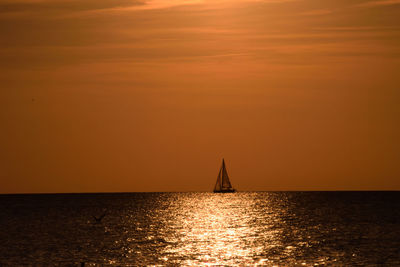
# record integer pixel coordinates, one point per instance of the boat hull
(225, 191)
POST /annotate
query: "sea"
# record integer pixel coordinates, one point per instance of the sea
(201, 229)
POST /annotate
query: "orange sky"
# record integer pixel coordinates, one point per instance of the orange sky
(132, 95)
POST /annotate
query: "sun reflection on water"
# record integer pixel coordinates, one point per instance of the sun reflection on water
(221, 229)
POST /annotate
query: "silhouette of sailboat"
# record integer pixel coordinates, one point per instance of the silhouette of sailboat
(223, 185)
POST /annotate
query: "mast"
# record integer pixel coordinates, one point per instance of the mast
(225, 178)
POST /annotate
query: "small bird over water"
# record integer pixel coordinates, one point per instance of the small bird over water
(98, 219)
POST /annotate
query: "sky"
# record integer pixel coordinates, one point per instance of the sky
(133, 95)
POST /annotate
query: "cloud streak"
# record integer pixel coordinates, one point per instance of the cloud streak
(379, 3)
(63, 6)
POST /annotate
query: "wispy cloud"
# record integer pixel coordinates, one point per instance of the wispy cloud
(163, 4)
(7, 6)
(358, 28)
(64, 6)
(317, 12)
(379, 3)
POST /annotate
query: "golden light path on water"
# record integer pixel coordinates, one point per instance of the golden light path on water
(222, 229)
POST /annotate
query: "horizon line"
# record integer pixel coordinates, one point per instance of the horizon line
(152, 192)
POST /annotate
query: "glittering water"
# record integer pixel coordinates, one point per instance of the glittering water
(267, 228)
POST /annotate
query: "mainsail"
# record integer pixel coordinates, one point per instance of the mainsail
(223, 184)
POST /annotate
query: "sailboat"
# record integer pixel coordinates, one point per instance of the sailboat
(223, 185)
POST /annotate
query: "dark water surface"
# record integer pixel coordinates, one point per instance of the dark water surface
(266, 228)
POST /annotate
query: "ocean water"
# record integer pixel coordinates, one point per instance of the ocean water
(245, 228)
